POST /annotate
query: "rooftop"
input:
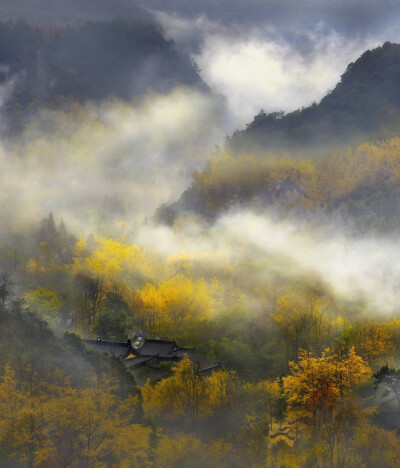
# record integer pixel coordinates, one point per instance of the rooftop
(146, 361)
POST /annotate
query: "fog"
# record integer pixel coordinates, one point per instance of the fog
(98, 164)
(265, 67)
(260, 72)
(350, 18)
(124, 218)
(353, 268)
(71, 12)
(93, 164)
(270, 55)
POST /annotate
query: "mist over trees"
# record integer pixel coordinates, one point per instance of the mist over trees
(302, 375)
(363, 105)
(44, 65)
(338, 15)
(277, 267)
(357, 187)
(59, 12)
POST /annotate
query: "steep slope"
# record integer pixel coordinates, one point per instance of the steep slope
(358, 189)
(28, 344)
(43, 65)
(72, 12)
(364, 104)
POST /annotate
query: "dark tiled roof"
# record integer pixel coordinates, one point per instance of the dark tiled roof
(112, 347)
(158, 348)
(202, 358)
(209, 370)
(180, 352)
(138, 361)
(145, 361)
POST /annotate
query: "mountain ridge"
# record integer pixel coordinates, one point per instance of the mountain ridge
(365, 103)
(359, 121)
(46, 65)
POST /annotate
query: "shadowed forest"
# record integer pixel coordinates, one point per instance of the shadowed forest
(136, 200)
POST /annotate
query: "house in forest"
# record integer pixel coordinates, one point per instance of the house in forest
(150, 358)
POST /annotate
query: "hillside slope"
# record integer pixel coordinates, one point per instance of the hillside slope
(358, 189)
(46, 64)
(364, 104)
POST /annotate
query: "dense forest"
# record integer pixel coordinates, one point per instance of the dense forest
(49, 64)
(360, 186)
(124, 214)
(307, 378)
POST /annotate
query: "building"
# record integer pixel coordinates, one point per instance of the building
(150, 358)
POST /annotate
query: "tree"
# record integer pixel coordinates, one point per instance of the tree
(177, 299)
(45, 302)
(374, 342)
(91, 297)
(184, 393)
(390, 379)
(255, 334)
(5, 288)
(44, 422)
(300, 321)
(188, 394)
(315, 384)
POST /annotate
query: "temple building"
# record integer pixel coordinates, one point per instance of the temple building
(150, 358)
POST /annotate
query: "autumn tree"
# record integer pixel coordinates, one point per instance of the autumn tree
(373, 340)
(188, 394)
(389, 378)
(175, 300)
(44, 422)
(315, 384)
(301, 322)
(189, 450)
(113, 321)
(45, 302)
(184, 393)
(91, 295)
(5, 288)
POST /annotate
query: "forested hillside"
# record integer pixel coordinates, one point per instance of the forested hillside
(254, 281)
(359, 187)
(46, 64)
(364, 104)
(302, 377)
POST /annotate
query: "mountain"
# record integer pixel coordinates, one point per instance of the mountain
(72, 12)
(97, 60)
(357, 189)
(356, 184)
(364, 104)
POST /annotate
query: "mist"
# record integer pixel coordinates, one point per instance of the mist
(279, 59)
(175, 291)
(73, 13)
(95, 163)
(99, 165)
(261, 72)
(354, 268)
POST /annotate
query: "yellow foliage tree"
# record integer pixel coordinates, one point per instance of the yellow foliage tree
(316, 384)
(118, 263)
(45, 302)
(187, 394)
(49, 424)
(176, 299)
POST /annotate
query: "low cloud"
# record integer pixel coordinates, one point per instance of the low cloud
(98, 163)
(361, 269)
(260, 71)
(283, 63)
(351, 18)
